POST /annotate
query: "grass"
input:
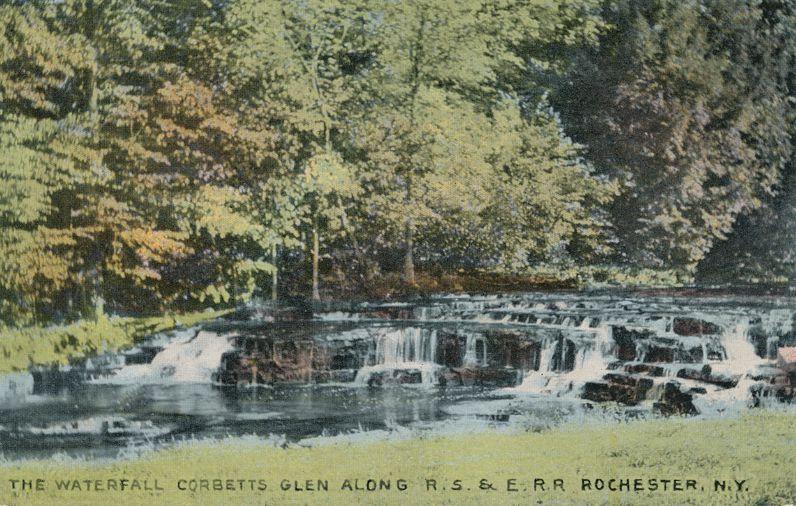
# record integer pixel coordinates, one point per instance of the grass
(758, 447)
(21, 348)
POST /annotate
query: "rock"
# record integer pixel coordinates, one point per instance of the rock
(626, 340)
(786, 360)
(673, 401)
(141, 354)
(659, 354)
(486, 376)
(694, 374)
(652, 370)
(599, 391)
(706, 375)
(617, 387)
(334, 376)
(781, 393)
(53, 380)
(499, 417)
(784, 393)
(694, 327)
(450, 349)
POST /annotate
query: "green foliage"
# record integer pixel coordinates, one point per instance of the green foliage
(547, 205)
(57, 345)
(158, 155)
(691, 117)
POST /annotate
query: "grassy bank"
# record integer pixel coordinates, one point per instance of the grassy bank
(21, 348)
(759, 448)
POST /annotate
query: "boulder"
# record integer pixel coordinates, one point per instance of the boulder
(616, 387)
(686, 326)
(673, 401)
(651, 370)
(626, 340)
(707, 375)
(482, 376)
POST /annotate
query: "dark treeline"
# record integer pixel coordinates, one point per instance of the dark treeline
(162, 154)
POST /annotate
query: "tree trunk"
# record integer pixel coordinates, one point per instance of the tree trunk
(409, 261)
(97, 302)
(234, 297)
(274, 275)
(316, 247)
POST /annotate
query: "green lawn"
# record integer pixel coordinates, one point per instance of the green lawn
(759, 448)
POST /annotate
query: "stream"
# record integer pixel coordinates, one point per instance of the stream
(437, 365)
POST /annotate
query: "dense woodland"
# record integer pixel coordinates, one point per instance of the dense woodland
(163, 154)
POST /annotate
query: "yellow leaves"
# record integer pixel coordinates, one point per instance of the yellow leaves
(216, 293)
(328, 174)
(221, 211)
(42, 59)
(154, 245)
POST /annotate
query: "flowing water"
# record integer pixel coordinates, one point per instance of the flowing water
(440, 364)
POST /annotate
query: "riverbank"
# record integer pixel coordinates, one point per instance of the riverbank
(57, 345)
(393, 286)
(750, 460)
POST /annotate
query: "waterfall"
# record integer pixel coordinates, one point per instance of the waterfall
(472, 356)
(739, 352)
(739, 359)
(536, 381)
(403, 356)
(591, 362)
(15, 387)
(183, 360)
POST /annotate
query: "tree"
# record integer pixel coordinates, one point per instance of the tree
(689, 118)
(762, 244)
(444, 70)
(306, 57)
(119, 42)
(45, 162)
(431, 52)
(547, 204)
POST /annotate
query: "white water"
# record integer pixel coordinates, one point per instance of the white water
(739, 353)
(472, 355)
(739, 360)
(186, 359)
(591, 362)
(407, 350)
(98, 425)
(15, 387)
(587, 322)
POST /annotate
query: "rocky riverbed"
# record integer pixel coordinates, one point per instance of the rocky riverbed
(472, 360)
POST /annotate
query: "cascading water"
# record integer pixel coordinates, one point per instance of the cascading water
(579, 353)
(401, 356)
(475, 350)
(591, 361)
(186, 359)
(738, 362)
(739, 353)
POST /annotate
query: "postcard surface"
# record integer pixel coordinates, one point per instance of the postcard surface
(397, 252)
